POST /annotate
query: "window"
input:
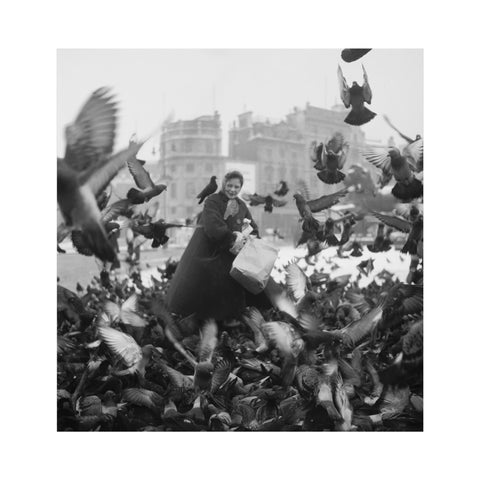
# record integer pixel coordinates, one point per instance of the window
(209, 146)
(294, 155)
(269, 153)
(282, 172)
(188, 145)
(282, 152)
(173, 168)
(172, 147)
(190, 167)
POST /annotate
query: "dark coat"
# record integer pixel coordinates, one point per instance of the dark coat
(202, 283)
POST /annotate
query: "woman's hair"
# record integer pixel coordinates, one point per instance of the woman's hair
(233, 174)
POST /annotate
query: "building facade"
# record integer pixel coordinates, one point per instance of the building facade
(264, 151)
(277, 150)
(190, 153)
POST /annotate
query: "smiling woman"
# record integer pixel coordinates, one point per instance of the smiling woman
(202, 283)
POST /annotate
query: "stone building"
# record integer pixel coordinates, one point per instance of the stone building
(265, 150)
(277, 151)
(190, 153)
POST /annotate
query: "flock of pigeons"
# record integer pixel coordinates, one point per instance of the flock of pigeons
(328, 355)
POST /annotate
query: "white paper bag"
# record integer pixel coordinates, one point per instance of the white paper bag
(253, 265)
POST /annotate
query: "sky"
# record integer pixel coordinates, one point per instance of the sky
(150, 84)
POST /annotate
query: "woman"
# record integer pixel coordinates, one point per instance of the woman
(202, 283)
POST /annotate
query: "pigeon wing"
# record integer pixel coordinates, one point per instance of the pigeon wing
(208, 341)
(279, 203)
(296, 281)
(408, 139)
(394, 222)
(356, 331)
(367, 91)
(92, 134)
(304, 189)
(99, 178)
(254, 319)
(414, 150)
(117, 209)
(112, 310)
(221, 372)
(81, 243)
(257, 200)
(315, 151)
(121, 344)
(326, 201)
(142, 397)
(279, 336)
(379, 158)
(128, 313)
(139, 174)
(344, 90)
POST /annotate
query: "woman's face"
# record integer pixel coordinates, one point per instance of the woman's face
(232, 187)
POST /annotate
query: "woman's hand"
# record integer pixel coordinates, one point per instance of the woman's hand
(240, 241)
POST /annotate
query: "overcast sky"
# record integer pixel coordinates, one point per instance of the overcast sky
(152, 83)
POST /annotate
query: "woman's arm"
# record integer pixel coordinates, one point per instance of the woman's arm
(215, 226)
(252, 223)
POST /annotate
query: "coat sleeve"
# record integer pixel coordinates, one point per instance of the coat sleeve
(252, 223)
(215, 226)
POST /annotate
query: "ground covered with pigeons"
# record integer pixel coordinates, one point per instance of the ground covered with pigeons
(329, 356)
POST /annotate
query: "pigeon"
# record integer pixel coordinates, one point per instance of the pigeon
(88, 167)
(268, 201)
(355, 97)
(392, 162)
(126, 349)
(347, 231)
(156, 231)
(408, 364)
(208, 190)
(366, 267)
(127, 313)
(144, 182)
(326, 201)
(108, 215)
(282, 189)
(352, 54)
(412, 145)
(414, 229)
(254, 319)
(379, 239)
(283, 336)
(328, 232)
(330, 158)
(310, 224)
(357, 250)
(402, 300)
(382, 242)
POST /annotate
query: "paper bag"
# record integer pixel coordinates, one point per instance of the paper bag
(253, 265)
